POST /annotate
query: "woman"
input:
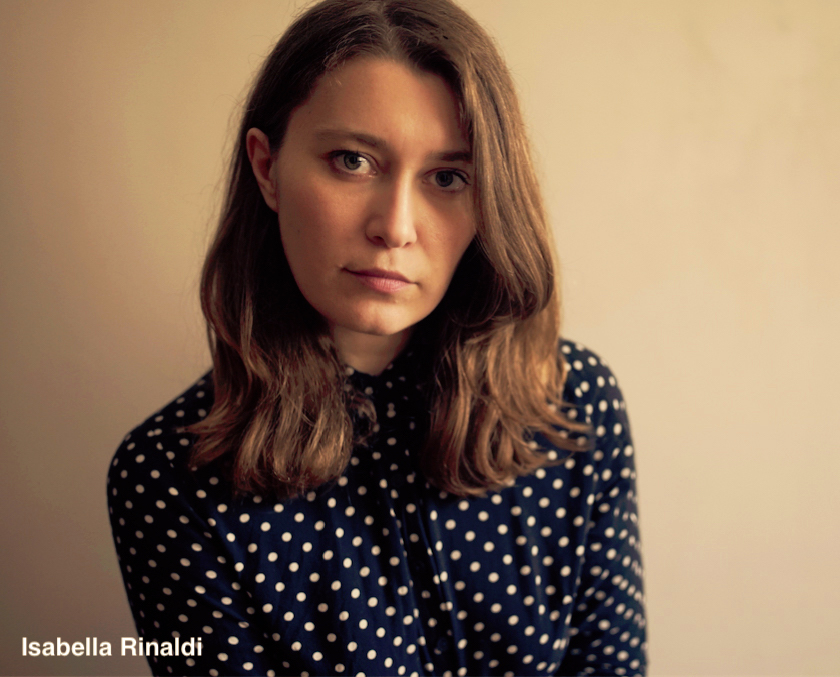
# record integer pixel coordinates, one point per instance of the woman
(390, 469)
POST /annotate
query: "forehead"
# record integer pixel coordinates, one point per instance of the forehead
(408, 108)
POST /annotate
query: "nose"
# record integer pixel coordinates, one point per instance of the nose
(392, 221)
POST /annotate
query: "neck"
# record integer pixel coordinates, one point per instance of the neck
(368, 353)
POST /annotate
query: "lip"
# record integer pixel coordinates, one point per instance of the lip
(379, 272)
(381, 280)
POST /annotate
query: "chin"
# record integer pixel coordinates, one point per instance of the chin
(384, 330)
(377, 325)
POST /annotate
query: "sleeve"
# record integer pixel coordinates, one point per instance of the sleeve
(181, 582)
(608, 635)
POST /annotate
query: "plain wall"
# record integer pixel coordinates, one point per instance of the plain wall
(690, 158)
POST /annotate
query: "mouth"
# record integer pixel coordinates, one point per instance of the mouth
(379, 272)
(387, 281)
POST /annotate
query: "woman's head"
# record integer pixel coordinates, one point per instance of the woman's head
(509, 271)
(280, 394)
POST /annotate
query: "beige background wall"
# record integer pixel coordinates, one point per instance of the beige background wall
(690, 153)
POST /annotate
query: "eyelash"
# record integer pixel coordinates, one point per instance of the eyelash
(338, 160)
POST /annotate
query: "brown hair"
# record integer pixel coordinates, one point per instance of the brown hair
(282, 413)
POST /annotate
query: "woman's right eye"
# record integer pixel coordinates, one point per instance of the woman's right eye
(350, 162)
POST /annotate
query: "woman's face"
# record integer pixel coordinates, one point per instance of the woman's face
(373, 190)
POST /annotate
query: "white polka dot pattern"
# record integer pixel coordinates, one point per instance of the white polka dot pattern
(381, 573)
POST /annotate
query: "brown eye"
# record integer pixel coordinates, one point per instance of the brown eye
(445, 179)
(450, 180)
(352, 161)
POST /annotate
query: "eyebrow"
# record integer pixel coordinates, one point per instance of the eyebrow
(376, 142)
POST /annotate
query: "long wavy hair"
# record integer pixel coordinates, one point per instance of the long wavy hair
(283, 416)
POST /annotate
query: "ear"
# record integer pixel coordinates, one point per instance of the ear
(259, 155)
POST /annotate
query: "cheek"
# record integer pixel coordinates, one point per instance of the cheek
(466, 239)
(461, 225)
(309, 220)
(457, 238)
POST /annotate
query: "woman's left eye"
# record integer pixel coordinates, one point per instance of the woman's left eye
(450, 180)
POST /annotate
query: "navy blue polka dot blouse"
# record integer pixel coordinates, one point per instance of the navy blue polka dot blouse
(381, 573)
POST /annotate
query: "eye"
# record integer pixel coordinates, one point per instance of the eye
(350, 162)
(450, 180)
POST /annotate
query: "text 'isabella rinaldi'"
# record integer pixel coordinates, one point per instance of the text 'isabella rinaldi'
(129, 646)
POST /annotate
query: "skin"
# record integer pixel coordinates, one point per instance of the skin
(373, 181)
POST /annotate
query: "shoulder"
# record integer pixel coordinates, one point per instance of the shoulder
(153, 458)
(586, 369)
(594, 397)
(590, 383)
